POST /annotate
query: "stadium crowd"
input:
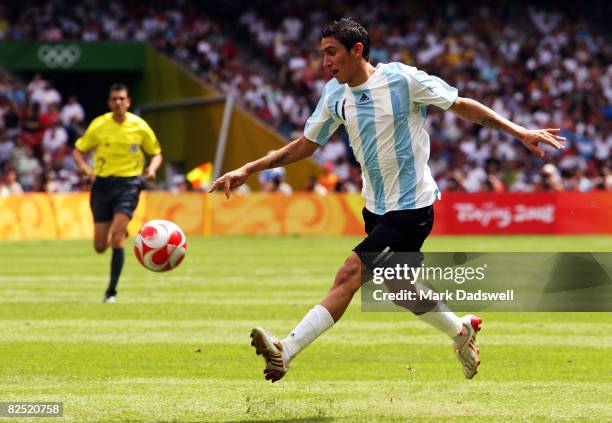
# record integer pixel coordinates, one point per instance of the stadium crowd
(540, 69)
(37, 132)
(545, 69)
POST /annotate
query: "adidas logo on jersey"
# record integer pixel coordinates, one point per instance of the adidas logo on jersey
(363, 99)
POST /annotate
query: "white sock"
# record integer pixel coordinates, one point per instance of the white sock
(441, 318)
(316, 321)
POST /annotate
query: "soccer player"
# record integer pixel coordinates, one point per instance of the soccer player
(119, 138)
(383, 111)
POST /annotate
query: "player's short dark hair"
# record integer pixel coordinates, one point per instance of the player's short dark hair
(118, 87)
(348, 33)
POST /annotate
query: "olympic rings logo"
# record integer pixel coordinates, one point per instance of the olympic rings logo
(59, 55)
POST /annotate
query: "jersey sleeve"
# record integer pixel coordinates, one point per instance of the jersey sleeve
(150, 145)
(89, 139)
(322, 123)
(426, 89)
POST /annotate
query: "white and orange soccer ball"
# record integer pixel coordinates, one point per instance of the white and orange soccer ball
(160, 245)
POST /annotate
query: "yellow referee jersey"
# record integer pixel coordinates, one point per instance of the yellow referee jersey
(119, 146)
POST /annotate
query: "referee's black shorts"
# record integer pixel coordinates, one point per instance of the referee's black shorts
(396, 231)
(114, 194)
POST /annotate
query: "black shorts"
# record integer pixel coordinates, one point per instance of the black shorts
(397, 231)
(114, 194)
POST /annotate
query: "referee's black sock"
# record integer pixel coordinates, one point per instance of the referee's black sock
(116, 266)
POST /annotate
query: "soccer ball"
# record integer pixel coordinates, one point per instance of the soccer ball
(160, 245)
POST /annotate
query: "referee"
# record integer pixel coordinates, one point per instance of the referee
(119, 139)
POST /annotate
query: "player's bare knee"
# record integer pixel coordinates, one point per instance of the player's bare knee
(100, 247)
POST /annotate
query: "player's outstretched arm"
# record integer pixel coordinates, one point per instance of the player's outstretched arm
(476, 112)
(294, 151)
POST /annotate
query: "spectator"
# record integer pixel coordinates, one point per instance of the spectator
(267, 178)
(54, 138)
(328, 179)
(37, 83)
(72, 113)
(27, 166)
(10, 119)
(333, 150)
(32, 129)
(273, 180)
(9, 184)
(279, 185)
(46, 97)
(549, 179)
(15, 93)
(6, 147)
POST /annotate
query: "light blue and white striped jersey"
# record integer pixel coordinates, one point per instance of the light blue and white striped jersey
(385, 121)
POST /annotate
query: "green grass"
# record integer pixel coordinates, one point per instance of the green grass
(176, 347)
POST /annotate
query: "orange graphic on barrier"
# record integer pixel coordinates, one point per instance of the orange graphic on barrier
(72, 215)
(27, 216)
(10, 224)
(186, 209)
(277, 214)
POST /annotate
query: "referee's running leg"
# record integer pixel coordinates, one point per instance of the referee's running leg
(113, 201)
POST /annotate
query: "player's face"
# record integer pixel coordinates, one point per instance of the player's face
(340, 62)
(119, 102)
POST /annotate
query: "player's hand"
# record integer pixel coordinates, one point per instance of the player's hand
(149, 173)
(532, 137)
(88, 174)
(229, 181)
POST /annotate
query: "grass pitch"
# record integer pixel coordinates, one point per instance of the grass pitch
(176, 346)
